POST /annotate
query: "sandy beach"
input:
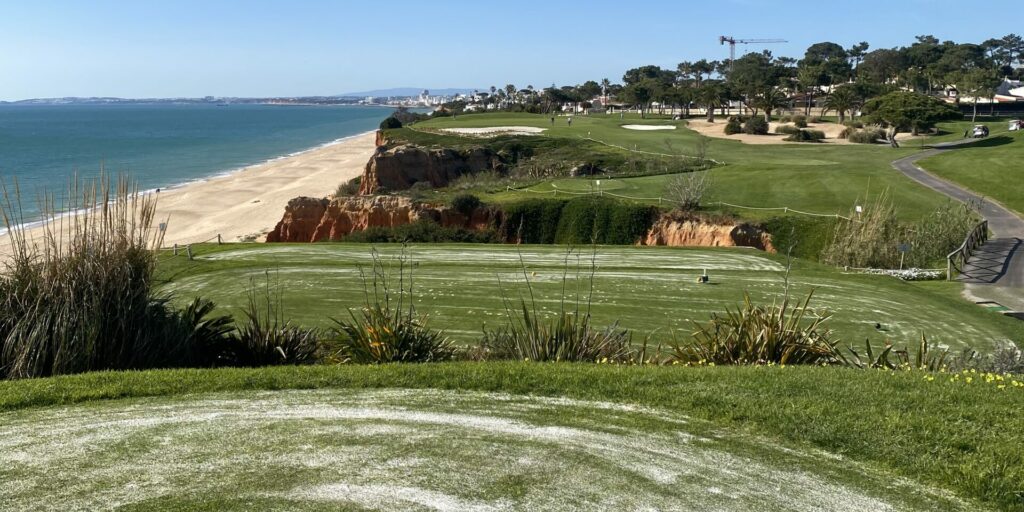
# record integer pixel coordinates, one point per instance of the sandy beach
(247, 203)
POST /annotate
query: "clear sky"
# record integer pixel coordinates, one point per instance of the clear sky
(144, 48)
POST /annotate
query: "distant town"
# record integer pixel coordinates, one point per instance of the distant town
(395, 98)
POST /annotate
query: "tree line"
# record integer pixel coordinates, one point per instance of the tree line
(828, 76)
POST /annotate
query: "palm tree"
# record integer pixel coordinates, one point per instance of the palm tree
(770, 99)
(710, 96)
(605, 84)
(842, 100)
(510, 90)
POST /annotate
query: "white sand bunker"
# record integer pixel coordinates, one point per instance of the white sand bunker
(496, 130)
(416, 450)
(649, 127)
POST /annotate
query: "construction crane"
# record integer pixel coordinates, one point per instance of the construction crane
(733, 42)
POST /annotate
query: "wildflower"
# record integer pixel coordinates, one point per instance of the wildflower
(969, 379)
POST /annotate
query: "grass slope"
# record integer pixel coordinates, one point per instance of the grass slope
(796, 438)
(814, 177)
(991, 167)
(647, 289)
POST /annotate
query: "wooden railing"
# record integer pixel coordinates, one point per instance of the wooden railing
(956, 260)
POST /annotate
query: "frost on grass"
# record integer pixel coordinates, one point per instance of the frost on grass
(417, 450)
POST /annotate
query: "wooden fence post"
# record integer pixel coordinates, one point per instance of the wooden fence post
(188, 250)
(218, 239)
(175, 249)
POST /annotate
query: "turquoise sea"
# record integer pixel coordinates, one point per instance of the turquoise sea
(159, 146)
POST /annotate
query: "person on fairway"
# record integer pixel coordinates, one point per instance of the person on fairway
(570, 121)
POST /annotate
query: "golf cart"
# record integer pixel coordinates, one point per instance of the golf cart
(1016, 125)
(980, 131)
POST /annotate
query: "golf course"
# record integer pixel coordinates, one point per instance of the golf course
(652, 291)
(787, 281)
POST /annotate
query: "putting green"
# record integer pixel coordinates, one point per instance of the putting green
(646, 289)
(417, 450)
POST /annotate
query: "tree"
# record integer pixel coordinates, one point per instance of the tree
(856, 54)
(976, 82)
(770, 99)
(832, 61)
(510, 91)
(842, 100)
(641, 93)
(882, 66)
(808, 78)
(753, 74)
(710, 96)
(903, 110)
(589, 89)
(605, 86)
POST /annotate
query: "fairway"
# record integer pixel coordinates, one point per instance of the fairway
(821, 178)
(990, 167)
(419, 450)
(650, 290)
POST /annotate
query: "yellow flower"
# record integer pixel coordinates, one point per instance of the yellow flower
(969, 379)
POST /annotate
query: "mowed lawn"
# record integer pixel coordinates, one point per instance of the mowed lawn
(649, 290)
(820, 178)
(993, 168)
(512, 436)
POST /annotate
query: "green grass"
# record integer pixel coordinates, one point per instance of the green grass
(651, 290)
(991, 167)
(817, 178)
(873, 435)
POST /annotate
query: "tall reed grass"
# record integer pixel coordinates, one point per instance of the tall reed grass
(77, 293)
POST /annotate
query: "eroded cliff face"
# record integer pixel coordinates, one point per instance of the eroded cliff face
(308, 219)
(400, 167)
(698, 233)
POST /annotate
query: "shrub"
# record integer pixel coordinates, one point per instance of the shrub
(754, 334)
(589, 220)
(465, 204)
(534, 221)
(786, 118)
(845, 133)
(82, 298)
(889, 359)
(733, 126)
(687, 190)
(349, 188)
(867, 136)
(872, 238)
(786, 129)
(756, 125)
(422, 231)
(800, 121)
(814, 119)
(390, 123)
(854, 124)
(387, 329)
(807, 136)
(568, 336)
(266, 338)
(806, 237)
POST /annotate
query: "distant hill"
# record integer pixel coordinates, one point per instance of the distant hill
(408, 91)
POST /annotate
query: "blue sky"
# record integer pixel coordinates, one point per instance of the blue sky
(264, 48)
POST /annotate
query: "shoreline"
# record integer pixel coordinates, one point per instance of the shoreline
(245, 203)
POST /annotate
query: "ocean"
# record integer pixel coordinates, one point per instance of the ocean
(159, 146)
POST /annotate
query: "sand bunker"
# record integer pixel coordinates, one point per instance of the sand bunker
(417, 450)
(496, 130)
(649, 127)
